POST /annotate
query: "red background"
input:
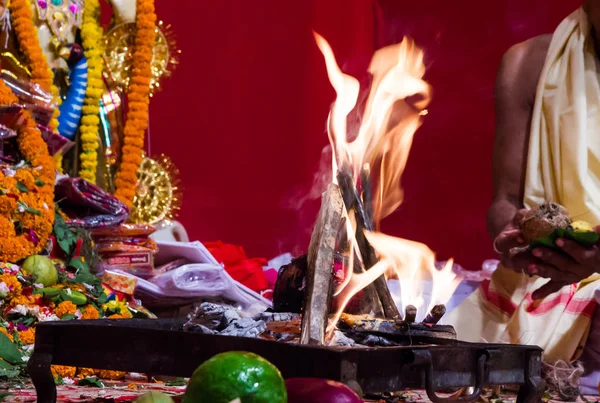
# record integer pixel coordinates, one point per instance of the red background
(243, 117)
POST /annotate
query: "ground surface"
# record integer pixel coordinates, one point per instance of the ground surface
(127, 392)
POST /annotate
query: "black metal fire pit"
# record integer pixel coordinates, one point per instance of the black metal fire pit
(160, 347)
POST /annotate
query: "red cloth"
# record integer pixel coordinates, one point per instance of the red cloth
(247, 271)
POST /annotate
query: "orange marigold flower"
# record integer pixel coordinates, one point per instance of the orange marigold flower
(5, 332)
(22, 300)
(89, 312)
(112, 375)
(87, 372)
(64, 371)
(15, 247)
(13, 285)
(139, 93)
(27, 337)
(65, 308)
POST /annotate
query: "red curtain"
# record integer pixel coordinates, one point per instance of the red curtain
(243, 117)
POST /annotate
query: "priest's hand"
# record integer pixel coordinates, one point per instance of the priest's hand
(507, 245)
(578, 264)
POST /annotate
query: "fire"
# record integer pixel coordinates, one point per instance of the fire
(377, 155)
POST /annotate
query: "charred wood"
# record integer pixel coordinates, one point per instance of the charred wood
(319, 279)
(435, 315)
(288, 295)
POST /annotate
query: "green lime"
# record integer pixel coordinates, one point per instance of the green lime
(42, 269)
(232, 375)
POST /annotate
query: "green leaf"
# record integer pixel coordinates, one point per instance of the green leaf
(59, 380)
(65, 238)
(39, 182)
(94, 382)
(22, 188)
(4, 395)
(9, 351)
(68, 317)
(84, 275)
(78, 264)
(176, 382)
(5, 365)
(29, 209)
(583, 238)
(9, 373)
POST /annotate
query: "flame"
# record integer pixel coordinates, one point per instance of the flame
(393, 111)
(413, 263)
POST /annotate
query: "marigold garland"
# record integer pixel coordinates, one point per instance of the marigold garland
(138, 96)
(91, 33)
(26, 32)
(62, 371)
(27, 195)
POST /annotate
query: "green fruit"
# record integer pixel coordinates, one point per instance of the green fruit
(232, 375)
(75, 297)
(49, 292)
(154, 397)
(42, 269)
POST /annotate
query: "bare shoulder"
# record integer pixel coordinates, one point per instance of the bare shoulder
(522, 66)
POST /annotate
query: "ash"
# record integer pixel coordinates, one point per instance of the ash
(226, 320)
(221, 318)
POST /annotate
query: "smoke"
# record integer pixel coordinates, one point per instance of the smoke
(321, 179)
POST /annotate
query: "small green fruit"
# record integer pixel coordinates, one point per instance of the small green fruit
(42, 269)
(75, 297)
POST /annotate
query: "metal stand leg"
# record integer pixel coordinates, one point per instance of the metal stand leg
(533, 389)
(41, 376)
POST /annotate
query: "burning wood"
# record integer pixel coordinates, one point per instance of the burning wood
(354, 202)
(394, 330)
(410, 314)
(434, 316)
(359, 200)
(319, 280)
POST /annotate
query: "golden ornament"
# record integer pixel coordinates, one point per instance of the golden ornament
(158, 196)
(118, 45)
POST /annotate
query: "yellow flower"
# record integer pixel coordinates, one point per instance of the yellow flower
(116, 306)
(65, 308)
(64, 371)
(5, 332)
(91, 34)
(89, 312)
(27, 337)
